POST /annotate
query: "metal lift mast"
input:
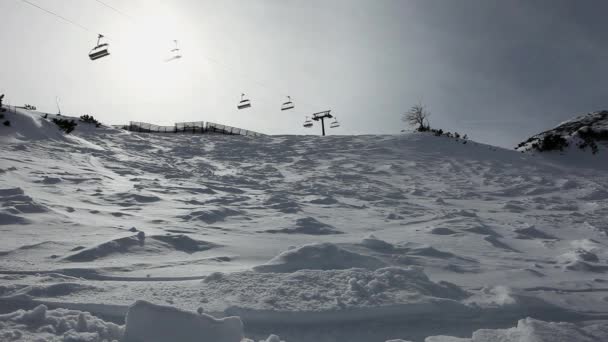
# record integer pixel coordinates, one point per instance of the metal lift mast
(322, 116)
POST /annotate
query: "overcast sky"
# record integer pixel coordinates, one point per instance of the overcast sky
(496, 70)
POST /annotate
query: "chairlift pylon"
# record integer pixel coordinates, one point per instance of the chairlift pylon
(244, 103)
(287, 105)
(100, 50)
(307, 123)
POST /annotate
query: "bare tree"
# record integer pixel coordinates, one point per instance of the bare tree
(418, 116)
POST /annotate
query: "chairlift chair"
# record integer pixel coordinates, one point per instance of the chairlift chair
(334, 124)
(175, 52)
(244, 103)
(307, 123)
(287, 105)
(99, 51)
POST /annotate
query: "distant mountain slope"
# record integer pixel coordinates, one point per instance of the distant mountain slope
(587, 132)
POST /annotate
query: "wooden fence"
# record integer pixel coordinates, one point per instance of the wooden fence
(195, 127)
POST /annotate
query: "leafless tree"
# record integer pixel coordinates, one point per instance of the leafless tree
(418, 116)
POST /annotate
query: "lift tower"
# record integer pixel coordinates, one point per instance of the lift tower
(322, 116)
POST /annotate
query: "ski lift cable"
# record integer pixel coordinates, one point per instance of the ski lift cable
(225, 66)
(58, 16)
(116, 10)
(274, 91)
(130, 18)
(259, 83)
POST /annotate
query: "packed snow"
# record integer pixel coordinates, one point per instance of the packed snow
(118, 236)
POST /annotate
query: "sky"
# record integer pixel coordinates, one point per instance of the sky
(496, 70)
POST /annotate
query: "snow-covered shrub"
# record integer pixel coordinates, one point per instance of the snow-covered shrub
(588, 130)
(440, 132)
(589, 137)
(90, 119)
(551, 142)
(65, 125)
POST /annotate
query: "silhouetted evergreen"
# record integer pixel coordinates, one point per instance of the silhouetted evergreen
(90, 119)
(551, 142)
(65, 125)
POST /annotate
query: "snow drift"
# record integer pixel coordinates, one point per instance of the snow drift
(147, 322)
(322, 256)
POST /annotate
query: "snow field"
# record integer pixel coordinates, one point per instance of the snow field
(359, 238)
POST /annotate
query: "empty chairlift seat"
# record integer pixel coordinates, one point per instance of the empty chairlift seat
(244, 103)
(307, 123)
(99, 51)
(334, 124)
(175, 53)
(287, 105)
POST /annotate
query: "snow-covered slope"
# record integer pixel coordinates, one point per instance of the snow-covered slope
(585, 132)
(341, 238)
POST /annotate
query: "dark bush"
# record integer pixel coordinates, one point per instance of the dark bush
(552, 142)
(590, 137)
(90, 119)
(65, 125)
(423, 129)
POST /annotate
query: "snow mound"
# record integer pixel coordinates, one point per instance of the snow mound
(595, 195)
(14, 201)
(155, 323)
(532, 330)
(578, 254)
(426, 251)
(6, 218)
(48, 291)
(322, 256)
(314, 297)
(585, 131)
(308, 225)
(271, 338)
(532, 233)
(61, 325)
(584, 266)
(282, 203)
(442, 231)
(210, 216)
(372, 242)
(26, 126)
(141, 244)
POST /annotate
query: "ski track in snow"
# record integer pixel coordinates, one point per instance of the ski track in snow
(403, 233)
